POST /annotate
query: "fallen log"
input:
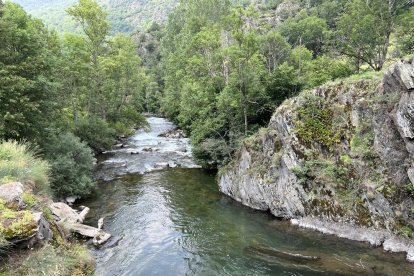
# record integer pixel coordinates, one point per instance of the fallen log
(99, 236)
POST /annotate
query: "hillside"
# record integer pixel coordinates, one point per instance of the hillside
(124, 15)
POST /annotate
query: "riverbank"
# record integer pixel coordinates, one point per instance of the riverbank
(32, 240)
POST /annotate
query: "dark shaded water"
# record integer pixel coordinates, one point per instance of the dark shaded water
(175, 222)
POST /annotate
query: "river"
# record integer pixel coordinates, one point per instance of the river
(174, 221)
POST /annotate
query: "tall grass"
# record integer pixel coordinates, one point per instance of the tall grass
(68, 259)
(20, 162)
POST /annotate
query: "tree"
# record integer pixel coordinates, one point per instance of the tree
(95, 26)
(275, 49)
(245, 57)
(27, 93)
(310, 31)
(404, 31)
(364, 31)
(123, 83)
(74, 71)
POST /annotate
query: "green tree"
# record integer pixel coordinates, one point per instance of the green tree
(27, 61)
(404, 31)
(245, 58)
(275, 49)
(364, 31)
(309, 31)
(124, 82)
(95, 26)
(73, 71)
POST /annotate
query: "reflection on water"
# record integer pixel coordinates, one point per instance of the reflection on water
(175, 222)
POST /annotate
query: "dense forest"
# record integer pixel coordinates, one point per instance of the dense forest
(124, 15)
(226, 68)
(68, 93)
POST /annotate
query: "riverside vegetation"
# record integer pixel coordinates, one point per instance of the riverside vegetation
(219, 69)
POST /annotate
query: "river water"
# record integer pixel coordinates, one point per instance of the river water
(174, 221)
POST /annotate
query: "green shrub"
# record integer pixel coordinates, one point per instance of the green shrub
(19, 162)
(96, 132)
(71, 165)
(212, 153)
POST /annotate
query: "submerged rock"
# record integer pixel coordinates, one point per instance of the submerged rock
(343, 230)
(285, 255)
(331, 264)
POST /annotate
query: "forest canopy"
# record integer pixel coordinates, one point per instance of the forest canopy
(228, 66)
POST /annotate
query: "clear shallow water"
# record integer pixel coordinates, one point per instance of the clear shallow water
(175, 222)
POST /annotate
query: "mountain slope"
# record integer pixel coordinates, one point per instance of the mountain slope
(125, 15)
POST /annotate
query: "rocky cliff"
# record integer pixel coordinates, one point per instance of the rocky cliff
(341, 154)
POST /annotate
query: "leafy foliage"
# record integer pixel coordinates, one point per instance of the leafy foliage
(124, 15)
(95, 132)
(26, 64)
(71, 164)
(404, 31)
(364, 31)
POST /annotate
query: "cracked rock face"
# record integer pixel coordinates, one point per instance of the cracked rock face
(374, 119)
(404, 112)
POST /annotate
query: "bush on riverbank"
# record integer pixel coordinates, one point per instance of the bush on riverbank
(71, 163)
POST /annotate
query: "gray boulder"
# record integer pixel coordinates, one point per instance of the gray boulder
(12, 194)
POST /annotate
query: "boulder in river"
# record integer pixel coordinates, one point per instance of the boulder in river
(161, 165)
(173, 133)
(119, 146)
(149, 149)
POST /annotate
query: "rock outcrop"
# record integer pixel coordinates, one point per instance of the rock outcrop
(341, 153)
(19, 224)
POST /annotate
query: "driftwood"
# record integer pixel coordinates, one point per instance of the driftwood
(71, 222)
